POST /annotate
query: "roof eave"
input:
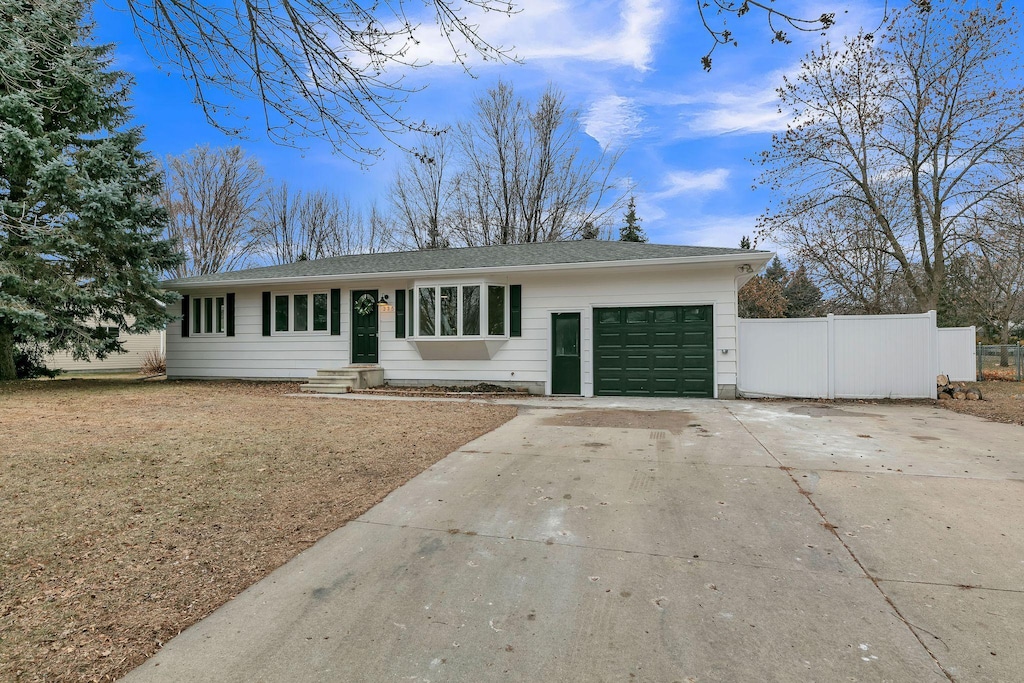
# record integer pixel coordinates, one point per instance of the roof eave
(756, 259)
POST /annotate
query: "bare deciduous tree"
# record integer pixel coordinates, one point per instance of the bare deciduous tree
(916, 131)
(995, 265)
(715, 15)
(847, 255)
(513, 173)
(523, 176)
(333, 70)
(296, 226)
(212, 196)
(421, 191)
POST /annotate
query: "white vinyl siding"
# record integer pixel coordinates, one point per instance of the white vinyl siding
(516, 359)
(137, 347)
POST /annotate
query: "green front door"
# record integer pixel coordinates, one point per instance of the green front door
(654, 351)
(565, 353)
(364, 326)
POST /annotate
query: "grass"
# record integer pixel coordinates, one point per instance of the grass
(129, 510)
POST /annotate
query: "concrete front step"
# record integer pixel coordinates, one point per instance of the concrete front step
(343, 380)
(342, 372)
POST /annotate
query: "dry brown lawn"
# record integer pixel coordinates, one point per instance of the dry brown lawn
(1003, 401)
(129, 510)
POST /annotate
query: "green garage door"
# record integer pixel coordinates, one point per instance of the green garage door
(654, 351)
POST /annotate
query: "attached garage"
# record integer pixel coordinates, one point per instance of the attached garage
(654, 351)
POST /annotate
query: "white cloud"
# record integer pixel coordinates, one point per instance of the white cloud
(752, 112)
(682, 182)
(712, 231)
(612, 120)
(621, 33)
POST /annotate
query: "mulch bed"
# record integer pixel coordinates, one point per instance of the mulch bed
(480, 390)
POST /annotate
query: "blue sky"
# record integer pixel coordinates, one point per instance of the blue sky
(630, 66)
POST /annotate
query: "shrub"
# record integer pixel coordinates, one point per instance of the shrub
(153, 363)
(28, 363)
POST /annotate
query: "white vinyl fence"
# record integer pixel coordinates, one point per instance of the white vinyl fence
(957, 346)
(847, 356)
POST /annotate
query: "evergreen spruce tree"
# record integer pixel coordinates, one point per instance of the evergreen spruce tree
(777, 272)
(631, 231)
(80, 230)
(804, 299)
(745, 242)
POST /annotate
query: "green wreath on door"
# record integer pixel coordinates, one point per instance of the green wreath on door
(364, 305)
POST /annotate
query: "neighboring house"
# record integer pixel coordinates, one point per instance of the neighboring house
(136, 346)
(582, 318)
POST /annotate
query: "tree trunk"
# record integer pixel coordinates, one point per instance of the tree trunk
(7, 369)
(1004, 340)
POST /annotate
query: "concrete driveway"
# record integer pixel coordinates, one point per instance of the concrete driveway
(659, 541)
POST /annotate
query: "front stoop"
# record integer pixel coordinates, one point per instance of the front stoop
(344, 380)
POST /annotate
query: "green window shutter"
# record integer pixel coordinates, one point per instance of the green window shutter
(412, 307)
(336, 312)
(229, 324)
(399, 313)
(266, 314)
(515, 310)
(184, 315)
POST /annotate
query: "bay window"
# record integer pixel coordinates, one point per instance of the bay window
(458, 311)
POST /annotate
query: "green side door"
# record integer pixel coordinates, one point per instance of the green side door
(654, 351)
(364, 326)
(565, 353)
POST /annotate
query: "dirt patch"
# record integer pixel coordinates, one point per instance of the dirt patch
(669, 420)
(129, 510)
(1002, 402)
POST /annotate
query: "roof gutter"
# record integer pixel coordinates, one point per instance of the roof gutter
(755, 261)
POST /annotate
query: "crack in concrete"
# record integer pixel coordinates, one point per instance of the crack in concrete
(832, 528)
(769, 466)
(646, 553)
(637, 461)
(961, 586)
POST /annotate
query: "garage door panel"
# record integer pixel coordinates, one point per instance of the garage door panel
(654, 351)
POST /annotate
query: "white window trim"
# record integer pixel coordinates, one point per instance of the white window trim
(309, 331)
(201, 318)
(413, 309)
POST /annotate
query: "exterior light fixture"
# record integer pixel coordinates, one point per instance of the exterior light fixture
(383, 305)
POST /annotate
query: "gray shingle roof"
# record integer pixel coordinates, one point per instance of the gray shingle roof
(496, 256)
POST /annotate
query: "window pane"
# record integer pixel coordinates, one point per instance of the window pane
(197, 315)
(300, 313)
(426, 312)
(636, 316)
(208, 318)
(471, 310)
(410, 306)
(220, 315)
(320, 312)
(666, 315)
(449, 311)
(281, 313)
(567, 331)
(495, 310)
